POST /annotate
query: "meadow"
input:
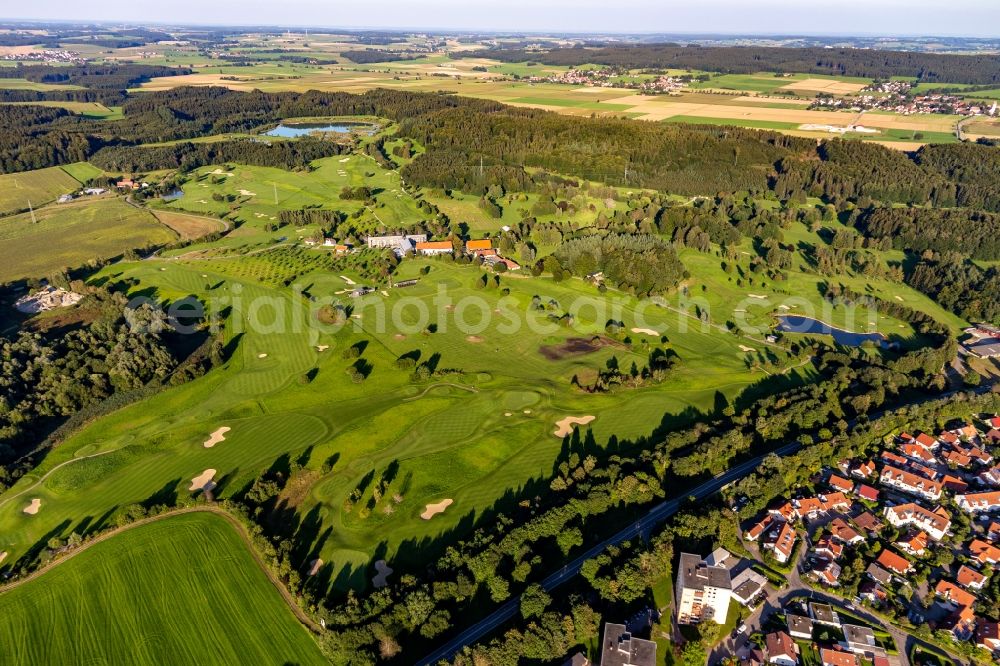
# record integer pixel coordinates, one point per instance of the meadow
(107, 604)
(37, 188)
(70, 234)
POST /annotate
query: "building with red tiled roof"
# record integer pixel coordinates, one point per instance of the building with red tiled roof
(977, 502)
(956, 458)
(840, 483)
(864, 470)
(866, 492)
(954, 483)
(917, 452)
(783, 543)
(914, 543)
(786, 511)
(954, 594)
(837, 658)
(988, 635)
(781, 649)
(840, 529)
(911, 483)
(434, 247)
(893, 562)
(829, 547)
(935, 523)
(925, 440)
(983, 552)
(835, 502)
(969, 577)
(759, 528)
(868, 522)
(993, 531)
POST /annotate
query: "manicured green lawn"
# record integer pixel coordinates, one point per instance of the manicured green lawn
(183, 590)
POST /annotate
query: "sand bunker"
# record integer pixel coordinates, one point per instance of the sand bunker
(747, 349)
(220, 172)
(399, 336)
(898, 298)
(527, 411)
(432, 510)
(508, 414)
(347, 279)
(565, 426)
(646, 331)
(35, 505)
(314, 567)
(203, 481)
(385, 293)
(261, 355)
(473, 338)
(247, 193)
(346, 159)
(216, 437)
(384, 571)
(322, 348)
(3, 556)
(758, 296)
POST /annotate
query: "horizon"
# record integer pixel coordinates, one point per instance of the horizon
(724, 18)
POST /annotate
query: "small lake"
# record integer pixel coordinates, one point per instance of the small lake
(173, 196)
(800, 324)
(294, 130)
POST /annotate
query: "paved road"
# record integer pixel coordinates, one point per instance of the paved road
(655, 516)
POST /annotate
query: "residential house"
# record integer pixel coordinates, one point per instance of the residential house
(977, 502)
(911, 483)
(954, 484)
(955, 458)
(840, 483)
(781, 649)
(827, 572)
(895, 563)
(830, 657)
(399, 244)
(913, 543)
(841, 530)
(864, 470)
(993, 531)
(747, 586)
(988, 635)
(703, 592)
(860, 640)
(968, 577)
(824, 614)
(989, 477)
(868, 522)
(878, 574)
(799, 626)
(954, 595)
(866, 492)
(620, 648)
(918, 452)
(984, 553)
(760, 528)
(935, 523)
(783, 544)
(829, 547)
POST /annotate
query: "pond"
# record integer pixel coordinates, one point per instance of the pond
(294, 130)
(800, 324)
(173, 196)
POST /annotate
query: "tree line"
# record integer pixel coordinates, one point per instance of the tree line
(868, 63)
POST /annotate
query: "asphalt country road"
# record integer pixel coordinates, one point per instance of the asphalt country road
(655, 516)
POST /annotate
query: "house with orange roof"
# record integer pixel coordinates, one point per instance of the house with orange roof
(993, 531)
(969, 577)
(893, 562)
(835, 502)
(983, 552)
(925, 440)
(840, 483)
(891, 458)
(864, 470)
(918, 452)
(954, 483)
(956, 458)
(785, 511)
(473, 246)
(783, 544)
(434, 247)
(988, 635)
(955, 595)
(978, 502)
(829, 547)
(911, 483)
(836, 657)
(809, 507)
(781, 649)
(868, 522)
(914, 543)
(759, 528)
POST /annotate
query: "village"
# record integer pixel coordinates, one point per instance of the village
(896, 96)
(615, 77)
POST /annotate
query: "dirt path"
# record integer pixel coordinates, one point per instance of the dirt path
(240, 530)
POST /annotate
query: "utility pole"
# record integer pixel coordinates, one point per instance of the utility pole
(32, 211)
(480, 166)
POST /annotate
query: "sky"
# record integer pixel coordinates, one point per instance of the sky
(980, 18)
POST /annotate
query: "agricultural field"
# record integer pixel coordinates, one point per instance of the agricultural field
(88, 110)
(19, 191)
(68, 235)
(221, 608)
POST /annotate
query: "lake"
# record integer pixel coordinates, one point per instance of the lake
(173, 196)
(800, 324)
(294, 130)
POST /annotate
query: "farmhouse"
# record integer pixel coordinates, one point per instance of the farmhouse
(475, 246)
(434, 247)
(399, 244)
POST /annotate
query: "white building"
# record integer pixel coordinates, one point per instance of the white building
(703, 591)
(935, 523)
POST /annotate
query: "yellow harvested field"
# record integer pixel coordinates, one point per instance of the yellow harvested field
(825, 85)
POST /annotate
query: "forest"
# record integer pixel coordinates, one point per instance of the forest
(869, 63)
